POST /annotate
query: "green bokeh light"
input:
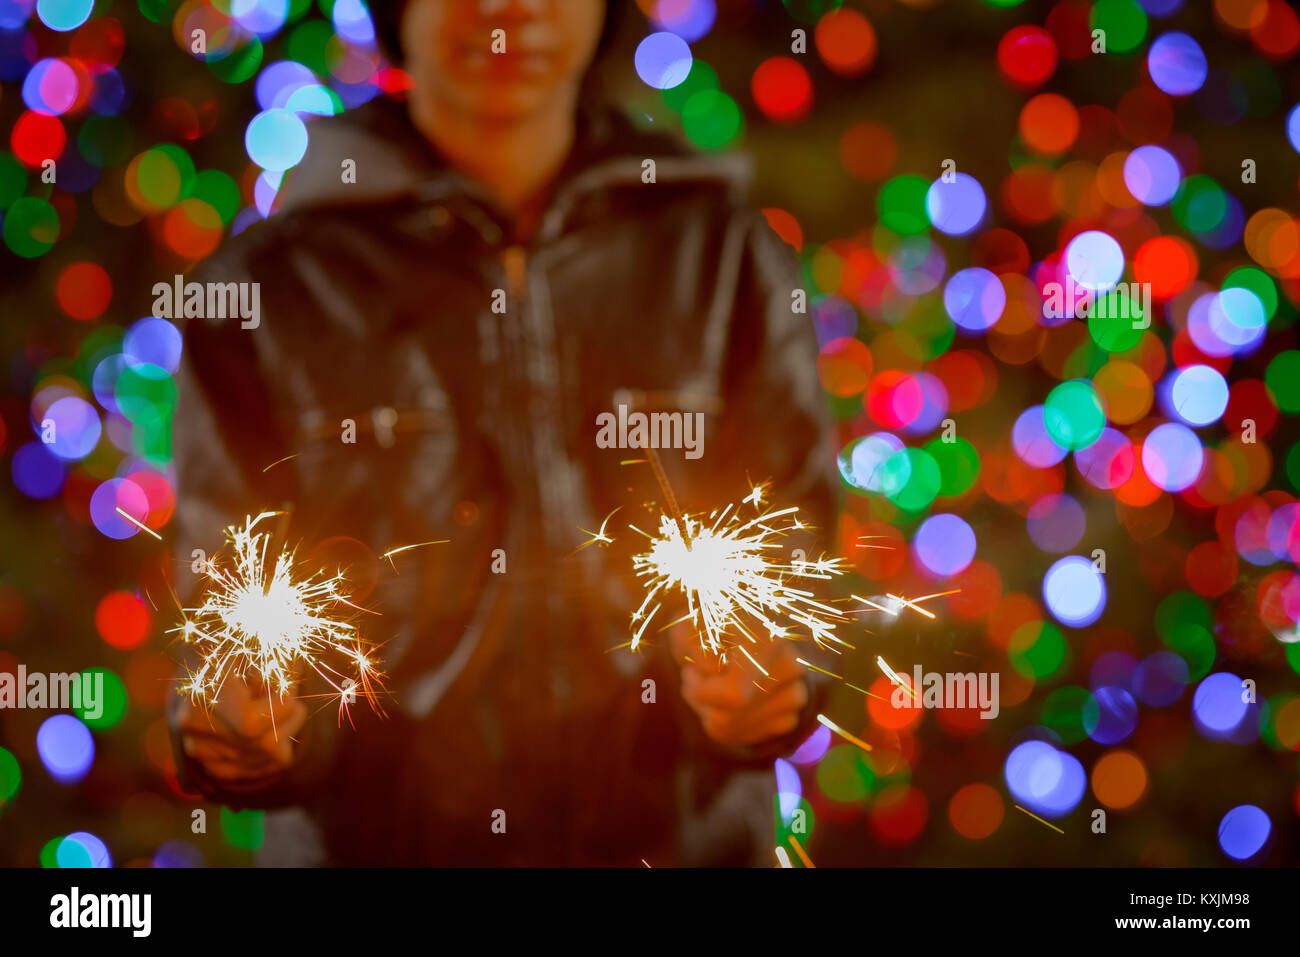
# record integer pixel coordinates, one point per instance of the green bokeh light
(701, 77)
(1180, 608)
(219, 191)
(1283, 380)
(145, 393)
(242, 64)
(1195, 645)
(243, 829)
(159, 177)
(1073, 415)
(910, 479)
(1115, 331)
(158, 11)
(810, 11)
(1063, 711)
(31, 227)
(1124, 21)
(11, 776)
(959, 464)
(112, 705)
(845, 775)
(1200, 204)
(711, 119)
(307, 43)
(801, 823)
(13, 179)
(901, 205)
(49, 856)
(1038, 650)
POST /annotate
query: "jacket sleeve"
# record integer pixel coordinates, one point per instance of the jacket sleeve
(224, 435)
(775, 429)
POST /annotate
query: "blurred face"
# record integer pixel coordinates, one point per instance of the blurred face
(499, 59)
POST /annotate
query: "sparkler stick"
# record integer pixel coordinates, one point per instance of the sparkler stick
(670, 500)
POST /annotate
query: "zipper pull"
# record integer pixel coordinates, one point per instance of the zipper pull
(514, 259)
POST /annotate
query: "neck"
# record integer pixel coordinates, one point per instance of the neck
(515, 159)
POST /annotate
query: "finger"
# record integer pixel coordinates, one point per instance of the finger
(735, 686)
(774, 727)
(207, 749)
(779, 657)
(690, 651)
(767, 716)
(681, 640)
(272, 748)
(728, 727)
(730, 691)
(279, 745)
(227, 766)
(249, 715)
(788, 698)
(216, 749)
(236, 776)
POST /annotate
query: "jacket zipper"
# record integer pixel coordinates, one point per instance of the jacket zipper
(514, 260)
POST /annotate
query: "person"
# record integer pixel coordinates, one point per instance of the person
(506, 261)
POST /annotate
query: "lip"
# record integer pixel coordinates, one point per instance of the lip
(525, 60)
(512, 49)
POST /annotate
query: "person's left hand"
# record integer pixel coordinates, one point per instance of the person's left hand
(736, 704)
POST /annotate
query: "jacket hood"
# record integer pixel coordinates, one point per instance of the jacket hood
(393, 160)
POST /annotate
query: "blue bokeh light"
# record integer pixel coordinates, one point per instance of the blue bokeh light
(1074, 591)
(1177, 64)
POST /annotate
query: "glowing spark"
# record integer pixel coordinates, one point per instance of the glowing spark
(599, 536)
(783, 858)
(842, 733)
(1038, 819)
(809, 664)
(278, 461)
(261, 615)
(894, 677)
(807, 861)
(868, 601)
(137, 523)
(724, 567)
(884, 666)
(406, 548)
(900, 603)
(907, 604)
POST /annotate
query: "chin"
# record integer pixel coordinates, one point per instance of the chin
(507, 101)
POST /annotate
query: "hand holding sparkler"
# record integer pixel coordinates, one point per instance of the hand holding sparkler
(266, 618)
(735, 708)
(244, 738)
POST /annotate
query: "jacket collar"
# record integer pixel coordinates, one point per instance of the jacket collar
(394, 162)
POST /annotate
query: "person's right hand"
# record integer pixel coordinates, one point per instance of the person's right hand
(245, 738)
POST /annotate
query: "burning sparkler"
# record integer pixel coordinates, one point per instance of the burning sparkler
(723, 564)
(264, 616)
